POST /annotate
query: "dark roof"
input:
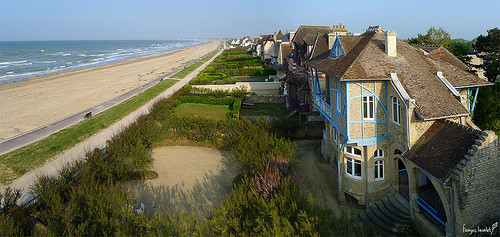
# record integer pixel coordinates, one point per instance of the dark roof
(445, 148)
(304, 31)
(366, 59)
(320, 45)
(285, 38)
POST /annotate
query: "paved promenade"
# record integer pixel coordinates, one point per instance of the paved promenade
(99, 139)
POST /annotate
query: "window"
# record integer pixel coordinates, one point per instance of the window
(378, 153)
(368, 107)
(332, 135)
(353, 168)
(395, 110)
(379, 170)
(339, 101)
(353, 151)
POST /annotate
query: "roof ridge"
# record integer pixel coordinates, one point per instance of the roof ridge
(355, 59)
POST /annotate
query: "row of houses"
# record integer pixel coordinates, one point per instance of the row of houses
(398, 124)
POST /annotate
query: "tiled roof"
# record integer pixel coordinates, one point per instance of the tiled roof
(320, 45)
(285, 51)
(445, 148)
(303, 31)
(366, 59)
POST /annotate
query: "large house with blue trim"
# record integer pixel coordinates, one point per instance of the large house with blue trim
(399, 133)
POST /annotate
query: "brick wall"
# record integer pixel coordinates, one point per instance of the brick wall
(479, 188)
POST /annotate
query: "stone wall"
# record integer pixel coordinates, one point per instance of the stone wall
(479, 197)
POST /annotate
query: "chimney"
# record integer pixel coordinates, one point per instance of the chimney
(390, 43)
(340, 29)
(292, 34)
(275, 37)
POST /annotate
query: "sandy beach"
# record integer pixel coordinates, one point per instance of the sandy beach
(38, 101)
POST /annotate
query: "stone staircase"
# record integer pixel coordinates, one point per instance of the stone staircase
(389, 216)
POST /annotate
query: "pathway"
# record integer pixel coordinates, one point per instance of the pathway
(77, 152)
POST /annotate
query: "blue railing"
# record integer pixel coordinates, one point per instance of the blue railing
(436, 216)
(324, 108)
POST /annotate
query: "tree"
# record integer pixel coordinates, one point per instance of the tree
(433, 36)
(459, 48)
(487, 113)
(488, 48)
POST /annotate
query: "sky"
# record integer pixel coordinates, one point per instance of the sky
(22, 20)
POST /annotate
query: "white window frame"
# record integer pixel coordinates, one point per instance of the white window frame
(351, 163)
(379, 154)
(379, 166)
(334, 135)
(352, 151)
(367, 103)
(339, 101)
(396, 111)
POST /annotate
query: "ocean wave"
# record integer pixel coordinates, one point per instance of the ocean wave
(45, 61)
(12, 62)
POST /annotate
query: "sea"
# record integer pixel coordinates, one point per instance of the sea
(20, 60)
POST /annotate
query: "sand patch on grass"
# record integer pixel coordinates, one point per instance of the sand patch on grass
(190, 179)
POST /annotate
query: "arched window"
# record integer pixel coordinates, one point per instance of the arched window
(379, 154)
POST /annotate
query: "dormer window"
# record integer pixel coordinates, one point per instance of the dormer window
(337, 49)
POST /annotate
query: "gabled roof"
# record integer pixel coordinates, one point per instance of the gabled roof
(304, 31)
(365, 59)
(443, 149)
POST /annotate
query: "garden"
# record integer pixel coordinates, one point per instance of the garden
(230, 66)
(88, 197)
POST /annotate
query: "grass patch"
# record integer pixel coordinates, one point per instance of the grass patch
(187, 70)
(266, 109)
(24, 159)
(215, 112)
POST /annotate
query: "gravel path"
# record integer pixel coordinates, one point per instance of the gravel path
(97, 140)
(316, 178)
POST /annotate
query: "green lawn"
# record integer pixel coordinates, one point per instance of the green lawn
(22, 160)
(216, 112)
(195, 65)
(266, 109)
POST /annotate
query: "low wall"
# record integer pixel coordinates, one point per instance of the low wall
(273, 99)
(259, 88)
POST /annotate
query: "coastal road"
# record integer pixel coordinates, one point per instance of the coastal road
(44, 131)
(98, 140)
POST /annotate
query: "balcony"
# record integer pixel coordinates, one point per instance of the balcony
(324, 108)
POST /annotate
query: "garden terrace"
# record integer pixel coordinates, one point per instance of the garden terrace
(88, 197)
(230, 66)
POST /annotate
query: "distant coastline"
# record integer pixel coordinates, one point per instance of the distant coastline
(21, 60)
